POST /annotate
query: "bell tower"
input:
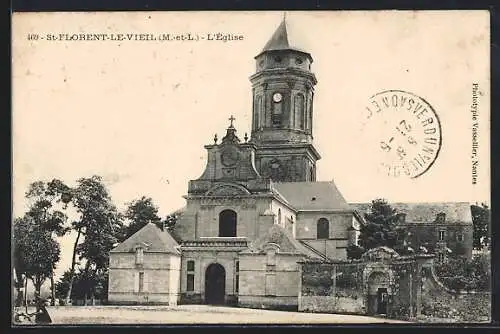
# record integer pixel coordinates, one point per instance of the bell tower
(282, 115)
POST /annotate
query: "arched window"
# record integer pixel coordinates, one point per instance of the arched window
(279, 216)
(299, 111)
(277, 110)
(257, 112)
(323, 229)
(227, 223)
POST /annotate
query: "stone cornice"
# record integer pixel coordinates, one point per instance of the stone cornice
(249, 196)
(213, 243)
(284, 72)
(346, 211)
(309, 147)
(439, 225)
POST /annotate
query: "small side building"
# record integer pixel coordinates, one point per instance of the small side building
(145, 269)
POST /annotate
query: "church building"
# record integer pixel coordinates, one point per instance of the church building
(255, 212)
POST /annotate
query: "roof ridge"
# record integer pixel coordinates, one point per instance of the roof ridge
(158, 240)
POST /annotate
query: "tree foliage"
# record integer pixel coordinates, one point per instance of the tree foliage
(35, 251)
(381, 228)
(99, 223)
(354, 251)
(42, 222)
(481, 219)
(84, 284)
(139, 213)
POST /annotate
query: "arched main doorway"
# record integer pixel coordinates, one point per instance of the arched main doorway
(215, 284)
(227, 223)
(378, 293)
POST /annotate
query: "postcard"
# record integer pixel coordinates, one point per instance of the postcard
(239, 167)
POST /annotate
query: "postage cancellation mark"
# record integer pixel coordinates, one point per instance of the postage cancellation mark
(404, 131)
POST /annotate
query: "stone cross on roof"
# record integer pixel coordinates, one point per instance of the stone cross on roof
(231, 119)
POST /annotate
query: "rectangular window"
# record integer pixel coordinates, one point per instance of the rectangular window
(139, 256)
(441, 235)
(460, 237)
(190, 276)
(141, 282)
(190, 282)
(237, 277)
(190, 266)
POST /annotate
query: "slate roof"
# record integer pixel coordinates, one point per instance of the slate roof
(456, 212)
(287, 243)
(312, 195)
(286, 37)
(156, 241)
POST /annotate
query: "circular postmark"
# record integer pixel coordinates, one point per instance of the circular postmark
(404, 133)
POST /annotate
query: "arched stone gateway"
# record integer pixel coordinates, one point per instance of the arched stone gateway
(215, 284)
(378, 292)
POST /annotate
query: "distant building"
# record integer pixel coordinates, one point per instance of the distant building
(441, 228)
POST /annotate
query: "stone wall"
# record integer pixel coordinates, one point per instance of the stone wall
(405, 297)
(352, 287)
(160, 285)
(267, 285)
(441, 302)
(332, 288)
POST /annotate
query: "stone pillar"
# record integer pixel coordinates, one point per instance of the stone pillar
(410, 286)
(299, 301)
(419, 288)
(334, 282)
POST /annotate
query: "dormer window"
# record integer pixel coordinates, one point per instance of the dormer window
(139, 255)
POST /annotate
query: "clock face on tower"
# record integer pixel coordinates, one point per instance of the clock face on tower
(277, 97)
(230, 156)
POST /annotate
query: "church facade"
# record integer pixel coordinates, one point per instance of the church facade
(254, 214)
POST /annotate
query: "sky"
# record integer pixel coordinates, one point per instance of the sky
(138, 113)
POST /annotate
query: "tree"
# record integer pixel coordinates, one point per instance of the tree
(98, 224)
(381, 228)
(354, 251)
(139, 213)
(170, 221)
(35, 251)
(82, 285)
(43, 197)
(481, 219)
